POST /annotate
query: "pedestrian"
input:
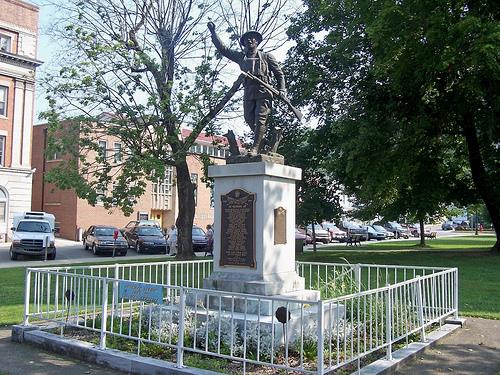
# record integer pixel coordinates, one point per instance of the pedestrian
(257, 100)
(210, 241)
(172, 241)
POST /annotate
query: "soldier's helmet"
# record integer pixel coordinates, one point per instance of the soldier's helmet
(251, 33)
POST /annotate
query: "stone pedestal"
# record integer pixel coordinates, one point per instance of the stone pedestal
(254, 236)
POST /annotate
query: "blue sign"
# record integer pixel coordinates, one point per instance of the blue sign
(140, 292)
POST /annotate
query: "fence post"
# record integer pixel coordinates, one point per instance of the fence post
(168, 280)
(420, 307)
(320, 370)
(455, 272)
(180, 342)
(102, 342)
(388, 322)
(27, 285)
(115, 300)
(357, 277)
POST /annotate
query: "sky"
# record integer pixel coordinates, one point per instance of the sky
(45, 52)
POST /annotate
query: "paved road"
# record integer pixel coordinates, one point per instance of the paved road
(67, 252)
(73, 252)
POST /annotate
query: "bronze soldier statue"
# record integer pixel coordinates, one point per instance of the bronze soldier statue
(257, 97)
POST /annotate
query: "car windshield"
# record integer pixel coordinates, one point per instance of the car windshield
(198, 232)
(316, 227)
(33, 226)
(378, 228)
(394, 225)
(149, 231)
(106, 232)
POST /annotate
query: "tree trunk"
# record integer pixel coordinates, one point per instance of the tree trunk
(422, 232)
(483, 184)
(185, 198)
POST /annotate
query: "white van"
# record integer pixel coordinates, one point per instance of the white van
(32, 233)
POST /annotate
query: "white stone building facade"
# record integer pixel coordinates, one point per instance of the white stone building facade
(18, 63)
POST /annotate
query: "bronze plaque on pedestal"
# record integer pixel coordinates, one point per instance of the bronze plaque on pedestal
(238, 229)
(279, 226)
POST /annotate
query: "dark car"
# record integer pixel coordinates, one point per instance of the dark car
(137, 223)
(100, 238)
(146, 238)
(199, 238)
(448, 225)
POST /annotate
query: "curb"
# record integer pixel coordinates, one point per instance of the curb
(134, 364)
(118, 360)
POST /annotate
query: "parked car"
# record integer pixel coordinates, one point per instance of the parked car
(448, 225)
(33, 234)
(300, 234)
(413, 229)
(397, 229)
(336, 234)
(353, 228)
(146, 238)
(373, 234)
(100, 238)
(321, 234)
(199, 239)
(379, 228)
(136, 223)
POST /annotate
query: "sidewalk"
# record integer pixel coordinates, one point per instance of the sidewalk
(474, 349)
(23, 359)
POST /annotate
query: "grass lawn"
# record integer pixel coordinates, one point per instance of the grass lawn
(479, 271)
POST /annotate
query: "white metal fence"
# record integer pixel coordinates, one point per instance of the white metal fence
(363, 309)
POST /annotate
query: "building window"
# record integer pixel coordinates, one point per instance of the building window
(54, 156)
(103, 149)
(3, 100)
(162, 191)
(3, 206)
(5, 43)
(2, 150)
(118, 152)
(194, 181)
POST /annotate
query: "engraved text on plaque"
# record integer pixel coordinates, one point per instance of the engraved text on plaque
(238, 229)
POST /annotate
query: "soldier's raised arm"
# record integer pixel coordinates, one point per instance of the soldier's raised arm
(233, 55)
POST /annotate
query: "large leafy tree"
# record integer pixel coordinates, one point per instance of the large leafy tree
(407, 93)
(138, 71)
(317, 194)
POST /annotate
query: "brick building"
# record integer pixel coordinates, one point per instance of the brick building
(74, 215)
(18, 63)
